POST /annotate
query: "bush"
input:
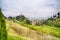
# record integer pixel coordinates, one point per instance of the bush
(20, 17)
(27, 21)
(3, 32)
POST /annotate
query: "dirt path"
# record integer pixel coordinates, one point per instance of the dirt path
(28, 33)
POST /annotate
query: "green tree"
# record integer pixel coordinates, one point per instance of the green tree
(3, 32)
(20, 17)
(10, 18)
(27, 21)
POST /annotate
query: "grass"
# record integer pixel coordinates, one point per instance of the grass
(11, 37)
(50, 30)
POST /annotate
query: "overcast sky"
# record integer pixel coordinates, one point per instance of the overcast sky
(30, 8)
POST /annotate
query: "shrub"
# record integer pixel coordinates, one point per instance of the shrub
(3, 32)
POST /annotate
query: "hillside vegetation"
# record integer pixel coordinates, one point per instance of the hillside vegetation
(13, 33)
(17, 32)
(50, 30)
(42, 30)
(21, 28)
(3, 32)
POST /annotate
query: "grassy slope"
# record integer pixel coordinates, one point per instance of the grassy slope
(12, 35)
(51, 30)
(27, 32)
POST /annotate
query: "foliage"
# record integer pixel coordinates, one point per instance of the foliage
(3, 32)
(11, 37)
(10, 17)
(50, 30)
(20, 17)
(27, 21)
(50, 18)
(55, 22)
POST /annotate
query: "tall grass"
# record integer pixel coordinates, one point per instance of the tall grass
(49, 30)
(11, 37)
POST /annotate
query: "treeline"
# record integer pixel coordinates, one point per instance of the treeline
(54, 20)
(20, 18)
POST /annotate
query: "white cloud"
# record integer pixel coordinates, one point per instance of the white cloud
(33, 8)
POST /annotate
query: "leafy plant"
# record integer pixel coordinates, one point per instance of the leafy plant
(3, 32)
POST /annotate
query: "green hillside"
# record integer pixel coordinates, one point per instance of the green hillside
(49, 30)
(22, 29)
(12, 33)
(18, 31)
